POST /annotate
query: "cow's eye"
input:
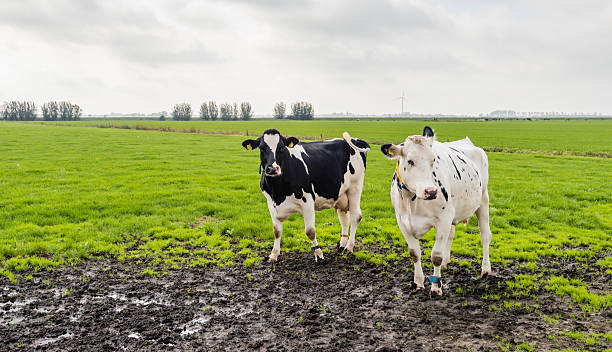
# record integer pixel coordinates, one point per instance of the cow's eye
(410, 162)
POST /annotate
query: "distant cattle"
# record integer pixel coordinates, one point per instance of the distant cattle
(304, 177)
(439, 185)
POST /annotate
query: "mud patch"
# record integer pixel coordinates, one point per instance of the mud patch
(294, 304)
(205, 219)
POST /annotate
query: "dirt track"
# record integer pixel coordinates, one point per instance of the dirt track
(344, 304)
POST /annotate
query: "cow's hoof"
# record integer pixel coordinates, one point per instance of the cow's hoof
(485, 275)
(435, 293)
(435, 289)
(339, 247)
(318, 254)
(343, 241)
(272, 259)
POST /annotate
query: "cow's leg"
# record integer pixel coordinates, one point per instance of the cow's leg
(485, 232)
(277, 227)
(355, 218)
(343, 216)
(415, 253)
(309, 227)
(437, 252)
(447, 251)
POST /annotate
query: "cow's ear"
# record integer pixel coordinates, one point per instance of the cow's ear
(251, 144)
(291, 142)
(428, 132)
(391, 151)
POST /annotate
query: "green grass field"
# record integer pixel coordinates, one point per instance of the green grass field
(590, 137)
(175, 199)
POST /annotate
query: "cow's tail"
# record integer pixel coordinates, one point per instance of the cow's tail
(349, 140)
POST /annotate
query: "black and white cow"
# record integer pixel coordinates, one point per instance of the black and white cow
(304, 177)
(439, 185)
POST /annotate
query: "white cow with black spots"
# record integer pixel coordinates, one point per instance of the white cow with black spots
(303, 177)
(439, 185)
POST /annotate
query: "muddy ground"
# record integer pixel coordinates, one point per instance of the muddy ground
(294, 304)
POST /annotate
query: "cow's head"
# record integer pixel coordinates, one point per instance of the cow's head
(415, 160)
(272, 150)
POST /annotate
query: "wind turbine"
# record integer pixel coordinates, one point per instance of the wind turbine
(402, 99)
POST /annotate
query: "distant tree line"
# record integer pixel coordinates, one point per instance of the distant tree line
(210, 111)
(226, 112)
(18, 111)
(61, 110)
(300, 110)
(181, 112)
(51, 111)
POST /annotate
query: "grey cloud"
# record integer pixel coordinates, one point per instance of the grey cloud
(336, 49)
(135, 33)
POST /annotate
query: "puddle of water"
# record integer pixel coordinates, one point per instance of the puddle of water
(16, 320)
(42, 310)
(137, 301)
(18, 303)
(135, 335)
(194, 325)
(48, 340)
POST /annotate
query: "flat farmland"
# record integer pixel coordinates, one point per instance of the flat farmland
(581, 137)
(116, 225)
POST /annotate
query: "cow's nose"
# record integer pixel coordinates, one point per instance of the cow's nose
(430, 193)
(270, 170)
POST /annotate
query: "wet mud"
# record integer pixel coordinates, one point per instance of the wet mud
(294, 304)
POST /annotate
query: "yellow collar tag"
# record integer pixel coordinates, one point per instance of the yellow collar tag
(397, 172)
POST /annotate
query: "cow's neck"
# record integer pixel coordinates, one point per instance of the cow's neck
(278, 185)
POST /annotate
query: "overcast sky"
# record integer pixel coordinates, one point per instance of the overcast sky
(346, 55)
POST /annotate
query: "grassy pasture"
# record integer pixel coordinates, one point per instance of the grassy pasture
(175, 199)
(591, 137)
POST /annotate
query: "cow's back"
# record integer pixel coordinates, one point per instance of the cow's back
(465, 168)
(327, 164)
(475, 154)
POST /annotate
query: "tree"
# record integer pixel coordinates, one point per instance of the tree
(18, 110)
(204, 115)
(279, 110)
(302, 110)
(75, 112)
(245, 111)
(65, 111)
(235, 112)
(226, 112)
(181, 112)
(213, 111)
(27, 111)
(50, 111)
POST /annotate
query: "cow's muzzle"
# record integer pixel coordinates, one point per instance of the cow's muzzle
(430, 193)
(273, 171)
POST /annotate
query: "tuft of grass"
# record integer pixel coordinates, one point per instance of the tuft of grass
(590, 339)
(9, 275)
(150, 272)
(579, 293)
(251, 261)
(523, 285)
